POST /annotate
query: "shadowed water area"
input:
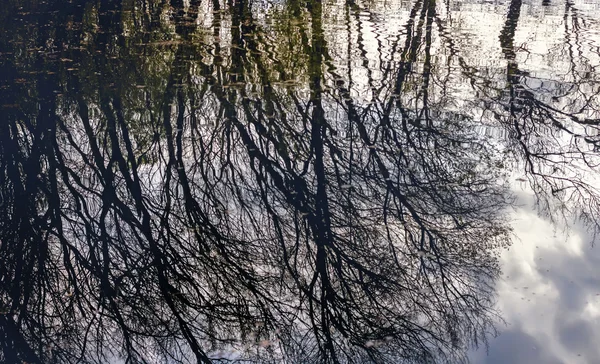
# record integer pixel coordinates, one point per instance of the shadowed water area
(295, 181)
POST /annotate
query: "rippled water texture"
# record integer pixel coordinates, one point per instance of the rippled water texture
(299, 181)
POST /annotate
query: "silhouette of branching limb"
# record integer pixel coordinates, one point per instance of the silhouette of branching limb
(220, 190)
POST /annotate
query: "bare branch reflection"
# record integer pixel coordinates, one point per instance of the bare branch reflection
(189, 182)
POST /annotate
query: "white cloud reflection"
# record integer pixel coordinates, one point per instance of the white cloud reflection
(549, 294)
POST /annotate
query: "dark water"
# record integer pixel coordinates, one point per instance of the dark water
(282, 181)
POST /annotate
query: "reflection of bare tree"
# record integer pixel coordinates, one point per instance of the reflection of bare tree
(556, 142)
(195, 201)
(551, 126)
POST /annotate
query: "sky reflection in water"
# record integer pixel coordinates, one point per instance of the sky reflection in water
(308, 181)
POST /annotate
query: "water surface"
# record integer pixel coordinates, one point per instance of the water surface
(299, 181)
